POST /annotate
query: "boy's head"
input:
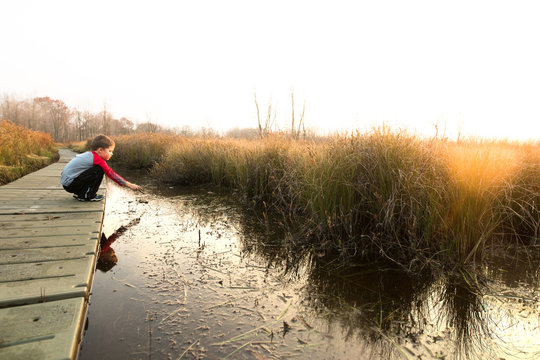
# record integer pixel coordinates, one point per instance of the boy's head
(103, 146)
(101, 141)
(107, 260)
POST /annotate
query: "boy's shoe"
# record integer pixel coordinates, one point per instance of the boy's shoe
(95, 198)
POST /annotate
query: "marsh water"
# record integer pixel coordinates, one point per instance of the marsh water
(195, 275)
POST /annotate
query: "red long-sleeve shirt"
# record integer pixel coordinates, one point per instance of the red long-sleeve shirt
(85, 161)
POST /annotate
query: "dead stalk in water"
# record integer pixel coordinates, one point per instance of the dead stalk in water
(189, 348)
(211, 268)
(228, 302)
(149, 319)
(237, 349)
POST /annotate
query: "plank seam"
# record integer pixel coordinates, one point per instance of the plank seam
(40, 278)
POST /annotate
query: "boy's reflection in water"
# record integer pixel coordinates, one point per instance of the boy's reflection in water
(107, 257)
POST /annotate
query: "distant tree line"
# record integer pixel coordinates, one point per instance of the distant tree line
(64, 124)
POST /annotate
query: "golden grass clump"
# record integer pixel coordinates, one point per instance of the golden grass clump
(378, 193)
(23, 151)
(79, 146)
(479, 172)
(520, 197)
(142, 150)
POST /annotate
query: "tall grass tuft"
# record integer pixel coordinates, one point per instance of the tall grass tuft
(380, 193)
(23, 151)
(520, 198)
(479, 171)
(141, 151)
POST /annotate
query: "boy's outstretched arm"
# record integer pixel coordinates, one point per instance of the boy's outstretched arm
(133, 186)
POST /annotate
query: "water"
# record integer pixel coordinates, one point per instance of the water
(197, 277)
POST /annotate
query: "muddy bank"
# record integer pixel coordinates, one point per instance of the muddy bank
(196, 277)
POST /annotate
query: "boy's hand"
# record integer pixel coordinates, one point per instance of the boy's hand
(133, 186)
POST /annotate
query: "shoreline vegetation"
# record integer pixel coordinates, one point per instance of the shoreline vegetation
(382, 195)
(23, 151)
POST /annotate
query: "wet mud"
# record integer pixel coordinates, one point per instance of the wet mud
(188, 273)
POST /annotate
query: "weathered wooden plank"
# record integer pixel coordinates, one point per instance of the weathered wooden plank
(42, 270)
(42, 331)
(48, 231)
(82, 217)
(45, 184)
(39, 184)
(47, 224)
(19, 256)
(53, 221)
(65, 203)
(47, 242)
(53, 280)
(51, 207)
(17, 196)
(25, 192)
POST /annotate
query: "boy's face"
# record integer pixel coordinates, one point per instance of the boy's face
(105, 153)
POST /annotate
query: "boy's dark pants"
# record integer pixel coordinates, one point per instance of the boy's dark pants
(86, 185)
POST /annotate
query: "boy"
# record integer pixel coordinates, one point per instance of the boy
(82, 176)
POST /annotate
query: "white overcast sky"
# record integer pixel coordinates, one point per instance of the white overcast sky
(356, 63)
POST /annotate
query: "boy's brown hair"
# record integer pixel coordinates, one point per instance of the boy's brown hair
(101, 141)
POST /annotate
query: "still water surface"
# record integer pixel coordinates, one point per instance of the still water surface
(196, 277)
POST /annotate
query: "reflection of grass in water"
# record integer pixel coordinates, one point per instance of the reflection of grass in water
(392, 310)
(369, 302)
(383, 304)
(465, 313)
(388, 308)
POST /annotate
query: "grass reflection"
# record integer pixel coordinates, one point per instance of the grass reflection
(394, 312)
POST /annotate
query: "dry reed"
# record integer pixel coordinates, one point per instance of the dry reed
(23, 151)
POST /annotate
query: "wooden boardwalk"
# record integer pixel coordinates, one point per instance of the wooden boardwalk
(48, 251)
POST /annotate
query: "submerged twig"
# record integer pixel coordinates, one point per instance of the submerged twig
(123, 282)
(237, 349)
(306, 325)
(171, 314)
(228, 301)
(190, 346)
(211, 268)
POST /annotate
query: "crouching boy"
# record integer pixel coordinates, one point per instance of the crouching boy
(82, 176)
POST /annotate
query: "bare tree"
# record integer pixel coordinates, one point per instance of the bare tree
(105, 120)
(125, 125)
(295, 128)
(79, 124)
(186, 131)
(149, 127)
(55, 116)
(10, 109)
(59, 115)
(64, 124)
(265, 126)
